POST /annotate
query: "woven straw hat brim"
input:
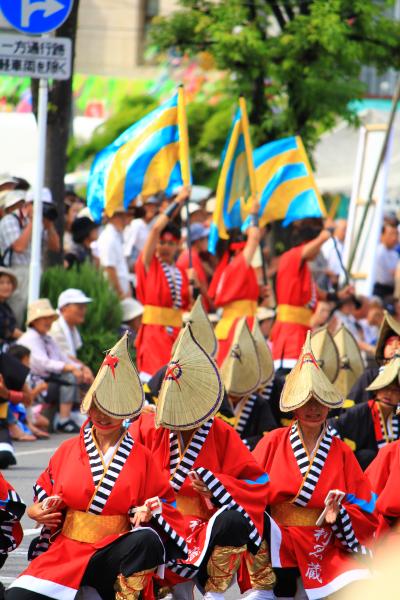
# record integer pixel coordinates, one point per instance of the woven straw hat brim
(389, 375)
(390, 326)
(241, 370)
(201, 327)
(325, 351)
(192, 390)
(116, 390)
(351, 364)
(264, 355)
(307, 381)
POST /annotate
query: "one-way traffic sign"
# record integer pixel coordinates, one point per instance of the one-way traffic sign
(36, 16)
(24, 56)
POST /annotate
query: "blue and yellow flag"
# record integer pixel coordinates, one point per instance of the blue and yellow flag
(236, 180)
(151, 156)
(287, 189)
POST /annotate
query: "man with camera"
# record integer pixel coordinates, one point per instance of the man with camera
(15, 240)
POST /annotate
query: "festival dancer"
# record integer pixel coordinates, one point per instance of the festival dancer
(297, 293)
(244, 371)
(307, 465)
(163, 289)
(96, 488)
(369, 426)
(234, 287)
(12, 509)
(220, 489)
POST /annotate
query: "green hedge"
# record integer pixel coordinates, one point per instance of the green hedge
(103, 318)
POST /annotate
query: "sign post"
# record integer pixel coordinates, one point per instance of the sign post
(44, 58)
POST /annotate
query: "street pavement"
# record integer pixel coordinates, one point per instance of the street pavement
(32, 459)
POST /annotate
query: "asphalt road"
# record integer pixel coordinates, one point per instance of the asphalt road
(32, 458)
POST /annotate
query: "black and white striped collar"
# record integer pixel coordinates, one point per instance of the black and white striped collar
(181, 464)
(310, 467)
(244, 413)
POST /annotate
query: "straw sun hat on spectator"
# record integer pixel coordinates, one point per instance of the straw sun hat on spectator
(39, 309)
(14, 280)
(131, 309)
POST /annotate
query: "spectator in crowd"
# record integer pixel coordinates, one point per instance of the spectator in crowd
(48, 361)
(132, 311)
(386, 261)
(72, 305)
(73, 204)
(135, 234)
(9, 331)
(372, 322)
(7, 183)
(84, 232)
(199, 241)
(111, 253)
(332, 251)
(15, 242)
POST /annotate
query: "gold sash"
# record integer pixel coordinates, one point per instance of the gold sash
(161, 315)
(232, 311)
(87, 527)
(286, 313)
(192, 505)
(289, 514)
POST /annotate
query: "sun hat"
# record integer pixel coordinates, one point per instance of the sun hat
(6, 178)
(47, 196)
(263, 313)
(307, 381)
(192, 390)
(116, 389)
(72, 296)
(13, 197)
(390, 326)
(264, 355)
(11, 275)
(201, 327)
(241, 370)
(198, 232)
(131, 308)
(326, 353)
(193, 207)
(389, 374)
(351, 364)
(39, 309)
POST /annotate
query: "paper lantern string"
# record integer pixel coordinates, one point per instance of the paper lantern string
(111, 361)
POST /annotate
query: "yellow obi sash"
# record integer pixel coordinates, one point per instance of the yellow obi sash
(192, 505)
(232, 311)
(286, 313)
(161, 315)
(289, 514)
(86, 527)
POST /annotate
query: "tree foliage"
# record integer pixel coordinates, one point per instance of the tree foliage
(297, 61)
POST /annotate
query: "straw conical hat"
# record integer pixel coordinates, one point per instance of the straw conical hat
(116, 390)
(388, 375)
(192, 389)
(326, 353)
(351, 364)
(390, 326)
(306, 381)
(202, 329)
(241, 368)
(264, 355)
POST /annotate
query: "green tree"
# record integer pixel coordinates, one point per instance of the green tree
(297, 61)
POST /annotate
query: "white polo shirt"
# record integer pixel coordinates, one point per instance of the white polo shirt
(111, 254)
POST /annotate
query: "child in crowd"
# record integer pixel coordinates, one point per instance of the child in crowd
(8, 323)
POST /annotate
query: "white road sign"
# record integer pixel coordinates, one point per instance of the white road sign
(39, 58)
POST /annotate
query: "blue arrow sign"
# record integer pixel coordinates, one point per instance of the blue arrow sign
(36, 16)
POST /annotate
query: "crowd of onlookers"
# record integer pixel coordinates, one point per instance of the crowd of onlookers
(45, 340)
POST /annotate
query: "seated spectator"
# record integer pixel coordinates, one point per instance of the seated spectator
(132, 311)
(37, 423)
(84, 232)
(72, 305)
(49, 362)
(111, 253)
(8, 323)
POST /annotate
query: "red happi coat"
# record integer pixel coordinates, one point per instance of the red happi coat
(154, 342)
(384, 476)
(227, 468)
(294, 287)
(236, 281)
(11, 510)
(57, 571)
(183, 263)
(324, 555)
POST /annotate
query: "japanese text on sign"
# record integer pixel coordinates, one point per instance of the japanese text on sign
(38, 58)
